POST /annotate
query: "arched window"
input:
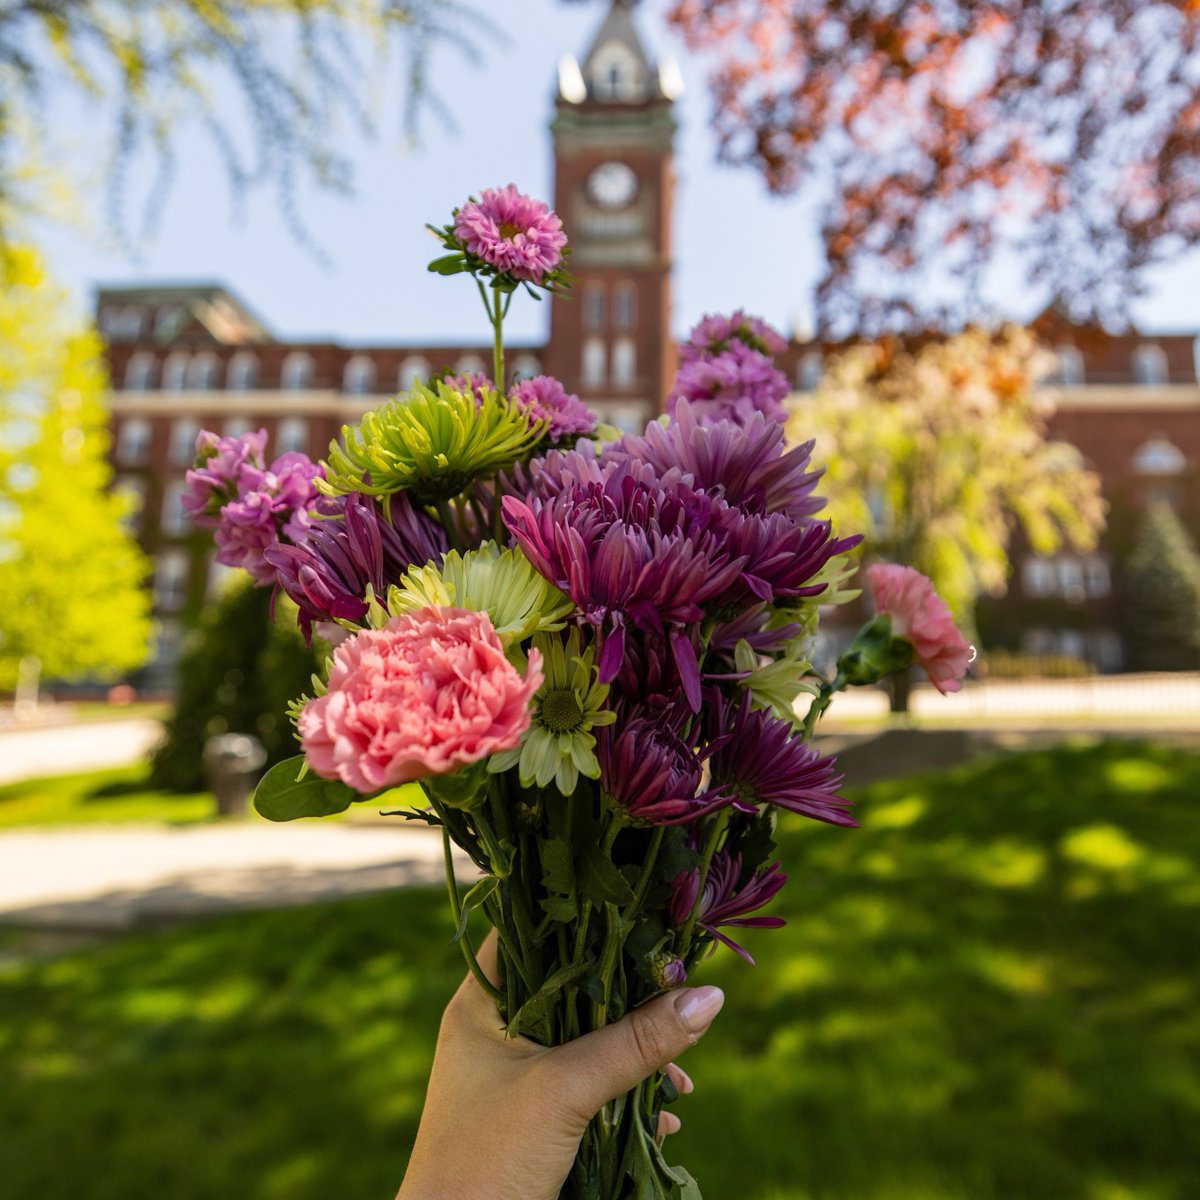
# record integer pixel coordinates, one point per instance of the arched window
(809, 370)
(236, 426)
(292, 434)
(593, 306)
(624, 306)
(133, 442)
(527, 366)
(470, 364)
(1150, 366)
(593, 362)
(139, 373)
(171, 579)
(615, 73)
(243, 372)
(174, 375)
(1069, 366)
(359, 376)
(413, 367)
(297, 373)
(624, 362)
(174, 521)
(202, 372)
(182, 450)
(1158, 455)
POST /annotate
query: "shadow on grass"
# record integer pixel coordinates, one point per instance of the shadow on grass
(989, 992)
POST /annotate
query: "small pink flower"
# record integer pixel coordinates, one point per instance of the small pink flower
(430, 692)
(514, 233)
(920, 615)
(543, 398)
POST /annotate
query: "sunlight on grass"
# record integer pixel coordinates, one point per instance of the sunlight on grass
(1104, 847)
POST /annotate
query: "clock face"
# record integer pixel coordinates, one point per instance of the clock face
(612, 185)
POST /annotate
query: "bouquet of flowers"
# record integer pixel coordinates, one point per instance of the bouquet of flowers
(589, 649)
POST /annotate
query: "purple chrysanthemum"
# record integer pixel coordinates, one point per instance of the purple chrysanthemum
(725, 903)
(746, 461)
(511, 232)
(732, 385)
(712, 335)
(760, 759)
(470, 383)
(328, 572)
(652, 773)
(543, 398)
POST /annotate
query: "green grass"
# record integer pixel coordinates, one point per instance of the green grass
(990, 992)
(115, 795)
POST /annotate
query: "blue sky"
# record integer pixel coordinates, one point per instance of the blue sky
(735, 246)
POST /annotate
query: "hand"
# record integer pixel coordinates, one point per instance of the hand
(504, 1116)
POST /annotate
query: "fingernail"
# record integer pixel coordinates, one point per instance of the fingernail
(698, 1006)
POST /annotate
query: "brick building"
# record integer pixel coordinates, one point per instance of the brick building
(183, 358)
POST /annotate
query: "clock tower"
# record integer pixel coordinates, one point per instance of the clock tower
(610, 338)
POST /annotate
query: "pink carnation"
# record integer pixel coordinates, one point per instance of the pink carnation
(920, 615)
(512, 232)
(430, 692)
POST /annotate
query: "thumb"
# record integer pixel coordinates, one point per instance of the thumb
(603, 1065)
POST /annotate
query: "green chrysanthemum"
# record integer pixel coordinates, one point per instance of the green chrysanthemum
(559, 743)
(432, 441)
(501, 583)
(772, 683)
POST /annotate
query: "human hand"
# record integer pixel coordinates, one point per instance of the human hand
(504, 1116)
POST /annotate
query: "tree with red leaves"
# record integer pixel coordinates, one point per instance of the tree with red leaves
(946, 137)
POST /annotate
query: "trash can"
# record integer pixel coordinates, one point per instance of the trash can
(232, 762)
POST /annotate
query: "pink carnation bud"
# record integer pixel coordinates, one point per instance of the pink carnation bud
(920, 616)
(430, 692)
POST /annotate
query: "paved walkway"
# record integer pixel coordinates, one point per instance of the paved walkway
(86, 746)
(125, 877)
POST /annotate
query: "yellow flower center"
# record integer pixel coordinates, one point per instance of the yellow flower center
(509, 230)
(560, 711)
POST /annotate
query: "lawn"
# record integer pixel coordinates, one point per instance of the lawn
(987, 993)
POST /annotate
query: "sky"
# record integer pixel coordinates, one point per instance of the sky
(735, 245)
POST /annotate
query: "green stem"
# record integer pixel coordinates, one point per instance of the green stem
(607, 964)
(465, 941)
(498, 341)
(497, 856)
(643, 886)
(710, 848)
(820, 703)
(446, 514)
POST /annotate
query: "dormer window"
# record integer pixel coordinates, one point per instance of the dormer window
(1149, 366)
(616, 74)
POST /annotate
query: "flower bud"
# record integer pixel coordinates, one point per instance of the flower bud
(668, 969)
(875, 653)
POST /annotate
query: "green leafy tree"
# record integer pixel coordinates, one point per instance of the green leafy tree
(71, 577)
(1160, 601)
(237, 674)
(938, 453)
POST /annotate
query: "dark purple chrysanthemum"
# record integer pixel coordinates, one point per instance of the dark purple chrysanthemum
(746, 461)
(713, 333)
(761, 760)
(328, 572)
(543, 398)
(732, 385)
(652, 773)
(629, 552)
(723, 902)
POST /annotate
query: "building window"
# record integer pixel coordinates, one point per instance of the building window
(243, 372)
(628, 418)
(133, 442)
(167, 640)
(1097, 580)
(470, 364)
(174, 374)
(297, 373)
(809, 370)
(1038, 577)
(624, 363)
(202, 372)
(182, 450)
(133, 489)
(174, 521)
(292, 435)
(527, 367)
(359, 376)
(1068, 366)
(218, 577)
(236, 426)
(167, 321)
(412, 368)
(615, 73)
(624, 306)
(139, 373)
(122, 324)
(1070, 579)
(171, 580)
(593, 307)
(1149, 366)
(1159, 456)
(593, 363)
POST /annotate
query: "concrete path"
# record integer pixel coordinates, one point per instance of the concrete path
(120, 878)
(63, 749)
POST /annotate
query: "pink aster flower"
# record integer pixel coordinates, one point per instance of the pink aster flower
(220, 462)
(430, 692)
(731, 385)
(712, 335)
(920, 616)
(512, 232)
(543, 398)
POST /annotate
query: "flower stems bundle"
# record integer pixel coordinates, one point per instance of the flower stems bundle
(591, 651)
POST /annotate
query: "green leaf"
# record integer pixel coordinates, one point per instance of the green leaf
(450, 264)
(471, 901)
(280, 796)
(536, 1007)
(560, 908)
(599, 879)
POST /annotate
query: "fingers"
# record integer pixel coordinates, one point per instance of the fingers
(680, 1078)
(668, 1122)
(602, 1065)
